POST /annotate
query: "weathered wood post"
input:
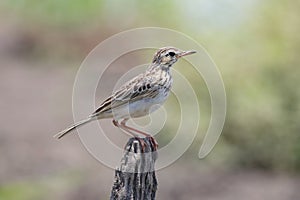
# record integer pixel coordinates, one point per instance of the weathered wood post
(135, 178)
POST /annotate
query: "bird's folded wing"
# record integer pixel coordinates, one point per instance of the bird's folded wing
(132, 91)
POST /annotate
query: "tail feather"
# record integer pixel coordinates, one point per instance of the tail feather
(74, 126)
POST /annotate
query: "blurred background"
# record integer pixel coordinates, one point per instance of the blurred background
(254, 43)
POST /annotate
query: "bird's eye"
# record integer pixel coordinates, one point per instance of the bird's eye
(171, 54)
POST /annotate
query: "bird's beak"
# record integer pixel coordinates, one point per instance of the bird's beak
(185, 53)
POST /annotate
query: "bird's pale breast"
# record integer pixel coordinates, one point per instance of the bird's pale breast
(141, 107)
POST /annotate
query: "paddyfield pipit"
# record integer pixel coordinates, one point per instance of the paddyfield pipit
(136, 97)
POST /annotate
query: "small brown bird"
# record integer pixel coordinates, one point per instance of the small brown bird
(136, 97)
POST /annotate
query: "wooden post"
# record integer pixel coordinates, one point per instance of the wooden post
(135, 178)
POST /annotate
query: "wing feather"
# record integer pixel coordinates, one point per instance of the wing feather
(138, 88)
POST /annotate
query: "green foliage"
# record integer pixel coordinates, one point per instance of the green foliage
(40, 188)
(21, 191)
(264, 101)
(56, 11)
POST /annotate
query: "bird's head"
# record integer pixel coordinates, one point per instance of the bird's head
(167, 56)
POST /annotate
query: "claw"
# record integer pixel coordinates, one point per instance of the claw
(154, 143)
(142, 143)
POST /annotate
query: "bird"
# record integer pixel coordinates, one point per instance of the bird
(137, 97)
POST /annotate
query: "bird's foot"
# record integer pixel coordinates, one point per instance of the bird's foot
(142, 143)
(154, 143)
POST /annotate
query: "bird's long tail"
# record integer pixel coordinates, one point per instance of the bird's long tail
(74, 126)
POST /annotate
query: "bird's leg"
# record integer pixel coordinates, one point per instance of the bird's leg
(142, 142)
(154, 142)
(117, 124)
(123, 124)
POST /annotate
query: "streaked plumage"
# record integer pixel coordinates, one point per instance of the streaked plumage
(136, 97)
